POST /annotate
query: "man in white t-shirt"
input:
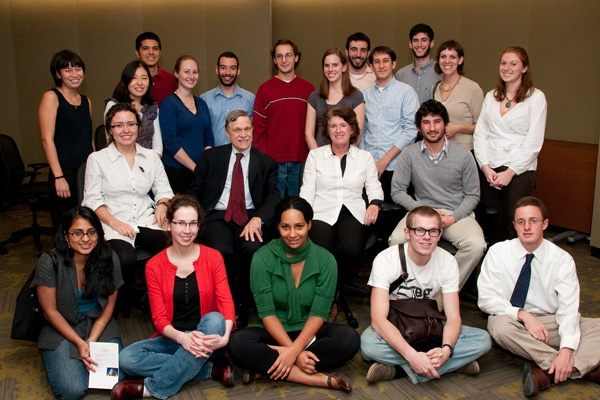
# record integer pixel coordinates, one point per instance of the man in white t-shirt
(430, 270)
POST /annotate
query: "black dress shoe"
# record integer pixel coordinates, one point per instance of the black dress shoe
(128, 390)
(222, 371)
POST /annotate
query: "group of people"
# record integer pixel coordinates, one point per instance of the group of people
(214, 169)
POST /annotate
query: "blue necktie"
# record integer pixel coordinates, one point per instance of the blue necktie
(522, 286)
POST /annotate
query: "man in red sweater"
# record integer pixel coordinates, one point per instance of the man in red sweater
(280, 115)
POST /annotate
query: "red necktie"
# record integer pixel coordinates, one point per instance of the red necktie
(236, 208)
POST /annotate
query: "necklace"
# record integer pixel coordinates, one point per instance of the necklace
(193, 107)
(509, 101)
(453, 86)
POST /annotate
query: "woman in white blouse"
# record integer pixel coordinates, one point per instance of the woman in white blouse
(333, 182)
(117, 182)
(508, 138)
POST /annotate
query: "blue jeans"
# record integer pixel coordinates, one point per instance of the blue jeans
(289, 178)
(166, 365)
(472, 343)
(68, 376)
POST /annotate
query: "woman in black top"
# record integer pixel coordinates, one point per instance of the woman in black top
(65, 118)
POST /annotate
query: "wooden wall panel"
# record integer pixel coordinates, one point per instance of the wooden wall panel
(566, 175)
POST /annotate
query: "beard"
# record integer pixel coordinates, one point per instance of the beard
(227, 84)
(428, 139)
(424, 55)
(358, 66)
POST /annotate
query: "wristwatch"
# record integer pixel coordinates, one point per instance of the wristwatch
(450, 347)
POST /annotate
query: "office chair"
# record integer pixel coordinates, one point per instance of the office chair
(18, 186)
(100, 140)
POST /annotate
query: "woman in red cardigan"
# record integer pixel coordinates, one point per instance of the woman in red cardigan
(192, 311)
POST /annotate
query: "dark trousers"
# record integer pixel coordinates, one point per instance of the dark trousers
(499, 227)
(335, 344)
(179, 178)
(345, 240)
(152, 240)
(237, 252)
(386, 185)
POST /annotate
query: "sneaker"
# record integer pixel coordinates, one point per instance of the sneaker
(471, 368)
(380, 372)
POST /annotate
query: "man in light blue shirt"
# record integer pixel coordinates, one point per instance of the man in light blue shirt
(226, 97)
(390, 108)
(420, 74)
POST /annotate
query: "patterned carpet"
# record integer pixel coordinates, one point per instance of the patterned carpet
(22, 374)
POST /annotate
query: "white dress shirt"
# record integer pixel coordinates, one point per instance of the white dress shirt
(554, 287)
(513, 140)
(324, 187)
(124, 191)
(244, 162)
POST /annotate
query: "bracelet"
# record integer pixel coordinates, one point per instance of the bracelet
(450, 347)
(100, 323)
(162, 202)
(58, 177)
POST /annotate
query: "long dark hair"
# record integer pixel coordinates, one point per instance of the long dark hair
(121, 93)
(99, 265)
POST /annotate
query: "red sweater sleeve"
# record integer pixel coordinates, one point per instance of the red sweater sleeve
(213, 287)
(215, 294)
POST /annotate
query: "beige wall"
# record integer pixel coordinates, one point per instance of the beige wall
(103, 33)
(561, 38)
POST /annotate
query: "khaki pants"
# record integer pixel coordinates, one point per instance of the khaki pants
(511, 335)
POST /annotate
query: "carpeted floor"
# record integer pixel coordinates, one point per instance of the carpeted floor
(22, 374)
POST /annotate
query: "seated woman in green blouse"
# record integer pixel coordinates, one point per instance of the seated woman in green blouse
(293, 282)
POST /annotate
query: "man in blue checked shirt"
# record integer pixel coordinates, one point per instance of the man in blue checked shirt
(390, 108)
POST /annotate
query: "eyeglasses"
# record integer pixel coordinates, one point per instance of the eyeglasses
(77, 234)
(237, 131)
(282, 56)
(435, 232)
(183, 224)
(119, 127)
(532, 221)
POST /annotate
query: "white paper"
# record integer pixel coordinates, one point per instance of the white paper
(107, 370)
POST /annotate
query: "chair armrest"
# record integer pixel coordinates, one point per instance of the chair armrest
(37, 166)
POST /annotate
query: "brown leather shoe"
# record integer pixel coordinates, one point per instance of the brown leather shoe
(535, 380)
(593, 375)
(128, 390)
(250, 376)
(223, 372)
(341, 381)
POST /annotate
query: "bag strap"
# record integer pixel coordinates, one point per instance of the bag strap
(434, 88)
(403, 274)
(54, 260)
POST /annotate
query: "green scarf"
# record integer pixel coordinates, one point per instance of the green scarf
(281, 251)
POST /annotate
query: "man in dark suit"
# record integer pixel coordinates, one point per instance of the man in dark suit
(237, 215)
